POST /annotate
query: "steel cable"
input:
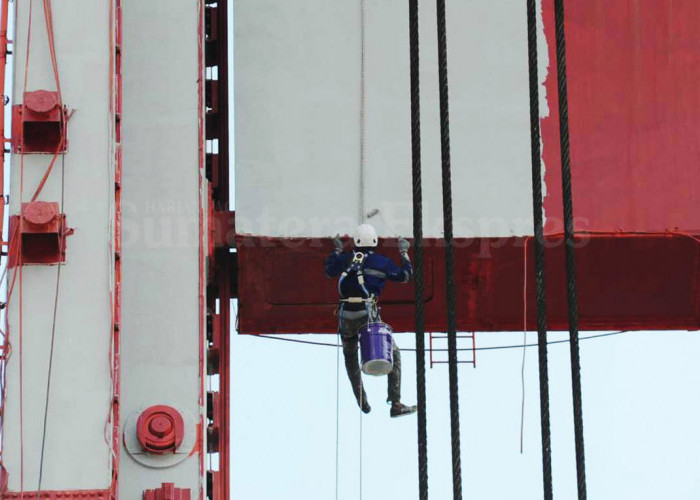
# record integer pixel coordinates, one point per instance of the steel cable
(540, 283)
(570, 246)
(418, 250)
(449, 249)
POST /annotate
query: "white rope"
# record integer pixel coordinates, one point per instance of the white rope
(522, 401)
(522, 367)
(362, 111)
(361, 403)
(363, 119)
(337, 411)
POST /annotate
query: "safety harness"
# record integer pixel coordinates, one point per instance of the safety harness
(357, 267)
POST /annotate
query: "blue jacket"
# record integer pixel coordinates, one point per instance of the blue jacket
(377, 270)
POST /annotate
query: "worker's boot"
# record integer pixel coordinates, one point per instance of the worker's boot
(363, 404)
(399, 410)
(366, 408)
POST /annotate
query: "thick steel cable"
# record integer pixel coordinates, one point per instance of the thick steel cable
(449, 249)
(418, 250)
(569, 248)
(540, 284)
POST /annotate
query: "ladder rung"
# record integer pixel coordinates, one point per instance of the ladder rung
(458, 349)
(458, 362)
(445, 336)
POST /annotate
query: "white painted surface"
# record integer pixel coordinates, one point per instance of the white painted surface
(160, 314)
(297, 81)
(76, 454)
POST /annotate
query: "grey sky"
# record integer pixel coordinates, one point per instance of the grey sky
(640, 415)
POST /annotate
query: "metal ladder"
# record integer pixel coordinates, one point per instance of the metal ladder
(436, 359)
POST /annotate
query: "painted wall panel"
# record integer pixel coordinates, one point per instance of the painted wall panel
(161, 198)
(633, 76)
(297, 112)
(76, 453)
(298, 122)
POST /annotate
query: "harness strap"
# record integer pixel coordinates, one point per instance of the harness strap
(357, 266)
(375, 272)
(359, 300)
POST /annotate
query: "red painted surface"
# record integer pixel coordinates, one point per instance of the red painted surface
(116, 295)
(634, 110)
(221, 237)
(39, 123)
(43, 233)
(167, 491)
(59, 495)
(160, 429)
(204, 214)
(625, 282)
(4, 7)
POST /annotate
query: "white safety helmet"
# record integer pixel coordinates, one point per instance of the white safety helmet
(365, 236)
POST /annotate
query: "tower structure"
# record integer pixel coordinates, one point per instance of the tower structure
(112, 302)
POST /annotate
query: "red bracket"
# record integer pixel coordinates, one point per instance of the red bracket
(160, 429)
(43, 232)
(167, 491)
(39, 124)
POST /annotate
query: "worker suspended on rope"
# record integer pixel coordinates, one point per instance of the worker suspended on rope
(363, 275)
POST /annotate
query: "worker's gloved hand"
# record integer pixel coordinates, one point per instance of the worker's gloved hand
(338, 243)
(404, 245)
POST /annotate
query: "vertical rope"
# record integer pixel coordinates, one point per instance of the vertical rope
(522, 365)
(418, 250)
(337, 412)
(20, 265)
(570, 249)
(363, 22)
(449, 249)
(540, 284)
(53, 338)
(361, 402)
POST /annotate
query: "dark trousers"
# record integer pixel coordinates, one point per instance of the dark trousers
(349, 329)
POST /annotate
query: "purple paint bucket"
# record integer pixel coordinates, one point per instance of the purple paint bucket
(376, 345)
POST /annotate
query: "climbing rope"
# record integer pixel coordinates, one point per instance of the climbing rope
(337, 412)
(18, 270)
(449, 250)
(363, 110)
(569, 248)
(53, 338)
(522, 363)
(19, 264)
(540, 284)
(418, 251)
(360, 467)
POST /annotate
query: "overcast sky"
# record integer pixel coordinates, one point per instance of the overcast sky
(640, 422)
